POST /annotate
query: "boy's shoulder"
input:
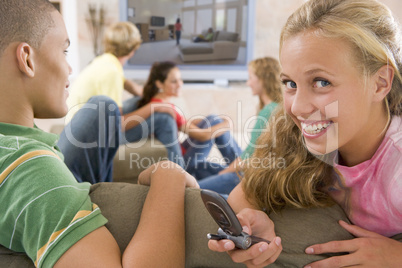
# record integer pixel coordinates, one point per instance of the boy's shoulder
(21, 143)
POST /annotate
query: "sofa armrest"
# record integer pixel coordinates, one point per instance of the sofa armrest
(226, 49)
(121, 203)
(132, 158)
(129, 198)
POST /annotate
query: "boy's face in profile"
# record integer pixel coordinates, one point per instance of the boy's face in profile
(52, 70)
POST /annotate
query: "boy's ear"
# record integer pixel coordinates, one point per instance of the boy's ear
(383, 79)
(25, 59)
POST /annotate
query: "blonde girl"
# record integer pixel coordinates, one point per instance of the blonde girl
(264, 82)
(340, 134)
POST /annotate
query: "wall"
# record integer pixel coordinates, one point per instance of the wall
(86, 53)
(144, 9)
(271, 15)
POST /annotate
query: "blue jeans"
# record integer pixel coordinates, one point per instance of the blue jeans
(161, 125)
(197, 152)
(222, 184)
(178, 35)
(91, 139)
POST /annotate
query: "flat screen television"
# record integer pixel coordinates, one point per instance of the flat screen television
(224, 58)
(157, 21)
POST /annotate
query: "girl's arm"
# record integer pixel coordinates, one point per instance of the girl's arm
(201, 134)
(237, 199)
(232, 167)
(255, 222)
(133, 119)
(367, 249)
(133, 87)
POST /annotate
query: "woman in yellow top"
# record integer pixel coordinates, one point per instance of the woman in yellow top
(104, 76)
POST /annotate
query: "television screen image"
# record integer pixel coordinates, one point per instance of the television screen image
(215, 35)
(157, 21)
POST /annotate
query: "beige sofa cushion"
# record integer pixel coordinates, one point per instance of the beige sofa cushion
(132, 158)
(122, 204)
(227, 36)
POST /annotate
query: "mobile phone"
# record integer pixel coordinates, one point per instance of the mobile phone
(224, 216)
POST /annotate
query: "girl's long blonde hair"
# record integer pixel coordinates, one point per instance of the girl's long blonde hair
(282, 171)
(268, 70)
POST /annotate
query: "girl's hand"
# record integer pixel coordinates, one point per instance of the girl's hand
(369, 249)
(166, 108)
(167, 170)
(257, 223)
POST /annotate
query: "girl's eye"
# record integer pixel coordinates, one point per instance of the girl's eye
(290, 84)
(322, 83)
(66, 52)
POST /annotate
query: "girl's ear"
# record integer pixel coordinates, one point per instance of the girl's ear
(159, 84)
(25, 59)
(383, 82)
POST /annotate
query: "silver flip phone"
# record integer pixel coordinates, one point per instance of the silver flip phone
(224, 216)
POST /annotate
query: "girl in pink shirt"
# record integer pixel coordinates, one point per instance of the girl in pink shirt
(177, 31)
(339, 132)
(164, 83)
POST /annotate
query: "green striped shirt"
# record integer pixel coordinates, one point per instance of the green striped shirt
(44, 210)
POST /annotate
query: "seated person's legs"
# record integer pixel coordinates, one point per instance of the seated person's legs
(197, 151)
(200, 168)
(164, 128)
(222, 184)
(91, 139)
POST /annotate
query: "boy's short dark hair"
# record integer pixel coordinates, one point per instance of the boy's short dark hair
(24, 21)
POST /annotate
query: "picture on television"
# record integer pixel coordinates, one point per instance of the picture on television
(212, 32)
(157, 21)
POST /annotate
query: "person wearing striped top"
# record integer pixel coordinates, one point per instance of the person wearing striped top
(45, 212)
(37, 219)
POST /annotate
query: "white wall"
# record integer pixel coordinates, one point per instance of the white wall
(271, 15)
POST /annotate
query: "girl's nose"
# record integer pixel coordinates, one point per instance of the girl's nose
(302, 104)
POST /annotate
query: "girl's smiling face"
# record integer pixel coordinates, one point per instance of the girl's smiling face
(254, 82)
(326, 94)
(173, 83)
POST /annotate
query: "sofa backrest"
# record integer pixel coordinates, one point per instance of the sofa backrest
(226, 36)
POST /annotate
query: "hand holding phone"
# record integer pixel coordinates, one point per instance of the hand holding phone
(224, 216)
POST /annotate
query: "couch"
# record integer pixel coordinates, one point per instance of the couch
(224, 46)
(121, 203)
(131, 158)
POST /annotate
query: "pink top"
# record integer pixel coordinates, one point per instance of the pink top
(177, 27)
(371, 192)
(180, 120)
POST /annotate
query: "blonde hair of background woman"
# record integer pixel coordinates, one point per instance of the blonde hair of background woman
(375, 36)
(121, 38)
(268, 70)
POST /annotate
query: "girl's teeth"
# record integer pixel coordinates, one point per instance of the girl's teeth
(314, 128)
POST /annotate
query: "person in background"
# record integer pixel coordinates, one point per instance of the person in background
(177, 30)
(46, 213)
(164, 83)
(264, 82)
(340, 136)
(104, 76)
(207, 38)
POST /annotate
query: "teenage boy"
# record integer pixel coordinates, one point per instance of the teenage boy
(46, 213)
